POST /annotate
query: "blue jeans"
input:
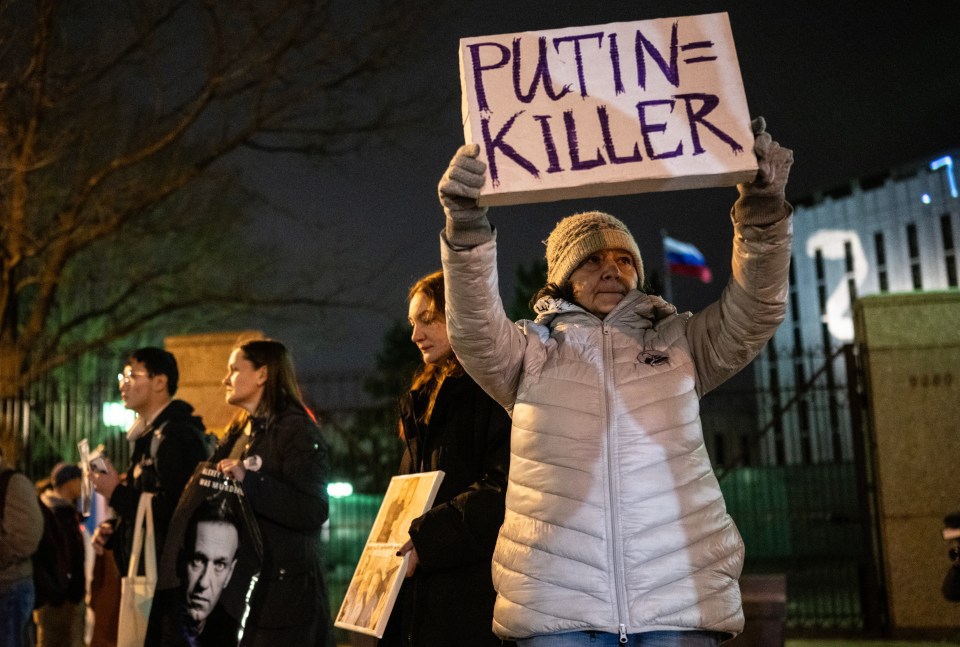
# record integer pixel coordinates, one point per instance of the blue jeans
(646, 639)
(16, 607)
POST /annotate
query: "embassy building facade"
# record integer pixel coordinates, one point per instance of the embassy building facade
(891, 233)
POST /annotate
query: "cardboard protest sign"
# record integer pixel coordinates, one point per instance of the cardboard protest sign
(653, 105)
(211, 558)
(380, 572)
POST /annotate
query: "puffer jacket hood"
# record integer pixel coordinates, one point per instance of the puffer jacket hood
(182, 412)
(647, 306)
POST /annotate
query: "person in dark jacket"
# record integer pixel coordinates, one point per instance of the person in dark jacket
(274, 448)
(60, 621)
(168, 442)
(21, 527)
(448, 423)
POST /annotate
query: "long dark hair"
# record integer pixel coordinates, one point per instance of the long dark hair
(280, 391)
(431, 376)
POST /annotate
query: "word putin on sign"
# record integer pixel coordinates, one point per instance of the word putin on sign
(653, 105)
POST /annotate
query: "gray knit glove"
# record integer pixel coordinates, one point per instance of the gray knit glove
(459, 189)
(774, 163)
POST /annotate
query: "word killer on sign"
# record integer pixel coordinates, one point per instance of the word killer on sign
(622, 108)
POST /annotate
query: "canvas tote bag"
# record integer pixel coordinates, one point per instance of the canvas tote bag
(136, 591)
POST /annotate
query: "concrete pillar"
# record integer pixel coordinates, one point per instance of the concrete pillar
(202, 361)
(910, 352)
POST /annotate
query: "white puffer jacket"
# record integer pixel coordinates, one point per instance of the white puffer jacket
(615, 520)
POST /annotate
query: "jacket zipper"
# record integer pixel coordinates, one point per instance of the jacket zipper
(611, 472)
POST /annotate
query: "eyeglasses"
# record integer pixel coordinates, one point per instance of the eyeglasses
(129, 376)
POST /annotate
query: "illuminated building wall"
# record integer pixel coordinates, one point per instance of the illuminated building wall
(897, 232)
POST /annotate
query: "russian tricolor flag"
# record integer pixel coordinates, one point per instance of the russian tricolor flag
(686, 260)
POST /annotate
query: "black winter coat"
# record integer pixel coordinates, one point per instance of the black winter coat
(181, 448)
(449, 599)
(288, 494)
(68, 521)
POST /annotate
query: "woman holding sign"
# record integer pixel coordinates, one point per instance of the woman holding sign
(616, 531)
(448, 423)
(274, 448)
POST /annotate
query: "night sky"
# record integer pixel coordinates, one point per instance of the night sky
(853, 88)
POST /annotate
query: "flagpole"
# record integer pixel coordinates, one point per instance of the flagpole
(667, 281)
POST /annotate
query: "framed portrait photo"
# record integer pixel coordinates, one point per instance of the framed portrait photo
(379, 574)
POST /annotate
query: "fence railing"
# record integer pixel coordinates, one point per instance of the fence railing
(44, 425)
(804, 521)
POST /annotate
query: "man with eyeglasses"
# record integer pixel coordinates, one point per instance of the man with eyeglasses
(167, 442)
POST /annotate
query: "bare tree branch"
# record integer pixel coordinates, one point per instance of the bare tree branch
(117, 117)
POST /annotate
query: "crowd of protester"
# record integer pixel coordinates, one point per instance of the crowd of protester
(578, 504)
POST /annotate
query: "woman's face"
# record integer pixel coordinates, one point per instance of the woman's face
(244, 382)
(602, 280)
(429, 329)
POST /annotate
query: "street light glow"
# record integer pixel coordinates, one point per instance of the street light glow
(339, 490)
(114, 414)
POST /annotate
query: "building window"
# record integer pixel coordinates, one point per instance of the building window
(794, 295)
(821, 282)
(952, 271)
(848, 266)
(946, 229)
(913, 249)
(949, 251)
(822, 300)
(881, 250)
(796, 321)
(794, 306)
(779, 443)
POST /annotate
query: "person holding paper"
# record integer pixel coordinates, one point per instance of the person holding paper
(448, 423)
(616, 531)
(167, 441)
(275, 449)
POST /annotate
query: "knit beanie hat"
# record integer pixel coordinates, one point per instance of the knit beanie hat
(577, 237)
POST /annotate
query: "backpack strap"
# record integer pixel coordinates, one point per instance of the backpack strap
(156, 437)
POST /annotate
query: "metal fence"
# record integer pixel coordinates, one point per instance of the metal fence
(804, 521)
(796, 491)
(351, 519)
(43, 423)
